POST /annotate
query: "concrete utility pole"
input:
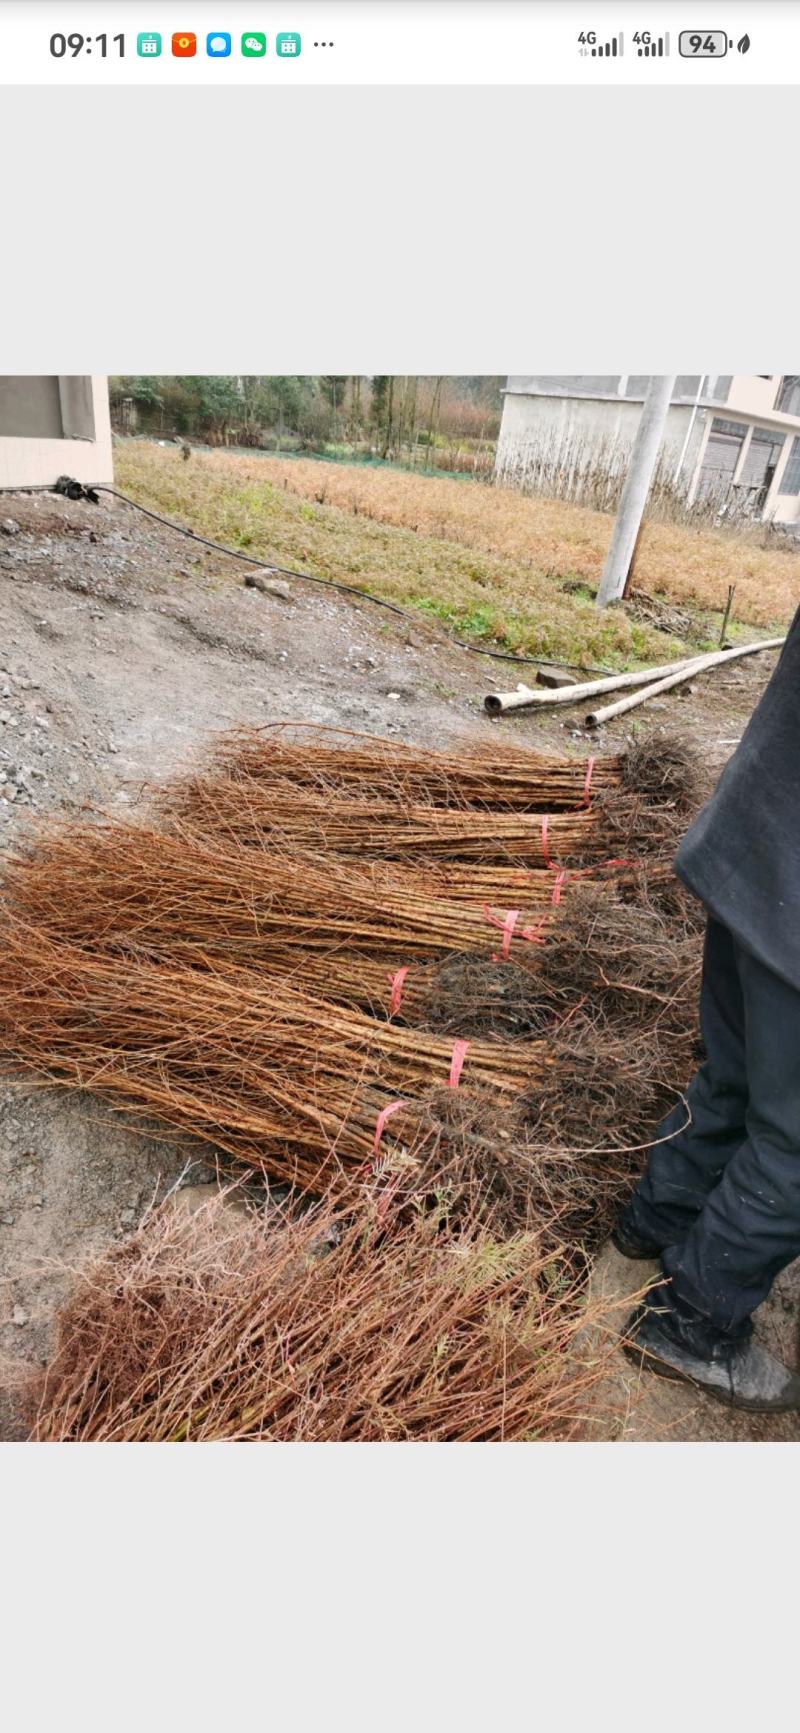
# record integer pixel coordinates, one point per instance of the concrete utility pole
(645, 451)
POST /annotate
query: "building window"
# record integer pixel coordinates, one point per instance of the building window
(722, 453)
(30, 407)
(760, 463)
(789, 395)
(728, 429)
(790, 482)
(45, 406)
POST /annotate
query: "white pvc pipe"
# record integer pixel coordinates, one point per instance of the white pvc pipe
(496, 702)
(597, 717)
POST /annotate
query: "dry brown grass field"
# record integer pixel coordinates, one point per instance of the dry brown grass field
(486, 561)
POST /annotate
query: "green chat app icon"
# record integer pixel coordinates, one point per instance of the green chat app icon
(254, 44)
(148, 44)
(287, 44)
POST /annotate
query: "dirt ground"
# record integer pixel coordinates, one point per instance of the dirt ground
(122, 647)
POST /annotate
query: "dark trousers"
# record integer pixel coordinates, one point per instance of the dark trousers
(722, 1196)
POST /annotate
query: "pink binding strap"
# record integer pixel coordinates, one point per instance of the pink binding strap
(457, 1063)
(558, 885)
(507, 930)
(396, 982)
(507, 927)
(545, 850)
(588, 783)
(386, 1113)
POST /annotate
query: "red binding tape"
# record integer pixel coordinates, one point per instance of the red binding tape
(557, 886)
(545, 850)
(396, 982)
(457, 1063)
(386, 1113)
(507, 926)
(588, 783)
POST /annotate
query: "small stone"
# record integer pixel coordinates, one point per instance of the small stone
(19, 1316)
(190, 1198)
(9, 526)
(394, 696)
(112, 746)
(73, 777)
(268, 585)
(40, 722)
(5, 716)
(7, 1219)
(128, 1216)
(554, 677)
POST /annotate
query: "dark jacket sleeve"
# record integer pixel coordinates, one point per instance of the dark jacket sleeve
(741, 856)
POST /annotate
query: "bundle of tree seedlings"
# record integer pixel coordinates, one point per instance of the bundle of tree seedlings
(320, 1328)
(134, 884)
(323, 1019)
(365, 797)
(274, 812)
(503, 779)
(346, 979)
(313, 1093)
(363, 935)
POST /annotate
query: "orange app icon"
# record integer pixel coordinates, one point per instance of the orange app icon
(184, 43)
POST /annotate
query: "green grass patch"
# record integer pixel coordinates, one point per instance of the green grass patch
(492, 598)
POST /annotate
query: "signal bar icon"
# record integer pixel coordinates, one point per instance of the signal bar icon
(610, 49)
(657, 47)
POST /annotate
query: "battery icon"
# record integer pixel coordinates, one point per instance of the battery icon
(703, 44)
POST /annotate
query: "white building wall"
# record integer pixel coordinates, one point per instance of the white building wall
(32, 461)
(597, 431)
(548, 437)
(752, 394)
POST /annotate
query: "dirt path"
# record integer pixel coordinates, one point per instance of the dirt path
(121, 647)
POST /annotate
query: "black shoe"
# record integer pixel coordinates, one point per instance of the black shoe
(741, 1374)
(631, 1247)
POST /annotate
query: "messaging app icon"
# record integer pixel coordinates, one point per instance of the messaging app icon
(218, 44)
(254, 44)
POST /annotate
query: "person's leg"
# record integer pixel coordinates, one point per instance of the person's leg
(686, 1161)
(749, 1227)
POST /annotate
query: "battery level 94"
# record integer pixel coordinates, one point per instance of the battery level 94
(702, 44)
